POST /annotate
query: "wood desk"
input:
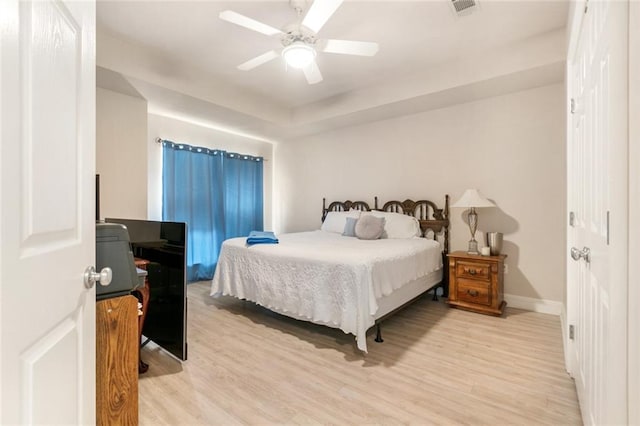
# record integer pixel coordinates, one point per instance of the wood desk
(142, 294)
(116, 361)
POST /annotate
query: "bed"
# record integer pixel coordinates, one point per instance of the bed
(342, 281)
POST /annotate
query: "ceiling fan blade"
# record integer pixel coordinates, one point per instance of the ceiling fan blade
(348, 47)
(252, 24)
(319, 13)
(258, 60)
(312, 73)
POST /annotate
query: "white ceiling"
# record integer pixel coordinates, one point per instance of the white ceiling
(415, 37)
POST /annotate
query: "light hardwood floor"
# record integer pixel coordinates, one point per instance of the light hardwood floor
(438, 365)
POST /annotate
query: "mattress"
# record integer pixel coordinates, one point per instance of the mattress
(324, 277)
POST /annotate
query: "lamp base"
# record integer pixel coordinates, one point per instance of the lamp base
(473, 247)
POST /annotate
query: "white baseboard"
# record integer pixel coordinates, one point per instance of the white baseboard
(565, 338)
(563, 323)
(536, 305)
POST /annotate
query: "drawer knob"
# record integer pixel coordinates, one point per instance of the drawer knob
(472, 271)
(472, 293)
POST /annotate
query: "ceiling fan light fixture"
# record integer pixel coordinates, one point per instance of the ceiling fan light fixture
(298, 54)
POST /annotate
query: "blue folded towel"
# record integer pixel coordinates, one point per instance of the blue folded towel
(261, 237)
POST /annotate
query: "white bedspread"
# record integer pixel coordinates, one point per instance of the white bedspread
(322, 276)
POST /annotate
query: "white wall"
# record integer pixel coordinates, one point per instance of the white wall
(130, 162)
(512, 148)
(634, 213)
(121, 154)
(194, 134)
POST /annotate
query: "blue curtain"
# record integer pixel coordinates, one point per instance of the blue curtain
(219, 195)
(243, 203)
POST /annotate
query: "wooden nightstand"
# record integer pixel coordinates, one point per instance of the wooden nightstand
(476, 283)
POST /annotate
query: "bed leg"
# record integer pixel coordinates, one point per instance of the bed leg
(378, 334)
(435, 295)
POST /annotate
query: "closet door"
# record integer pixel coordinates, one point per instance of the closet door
(597, 195)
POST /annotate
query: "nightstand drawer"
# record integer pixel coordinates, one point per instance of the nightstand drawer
(474, 270)
(473, 292)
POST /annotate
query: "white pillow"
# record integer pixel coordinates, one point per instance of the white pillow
(398, 225)
(369, 227)
(335, 221)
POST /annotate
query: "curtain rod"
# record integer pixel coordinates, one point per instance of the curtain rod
(159, 140)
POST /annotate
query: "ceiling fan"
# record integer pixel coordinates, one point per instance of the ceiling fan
(299, 40)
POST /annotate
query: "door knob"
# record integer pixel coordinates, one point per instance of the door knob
(91, 276)
(577, 254)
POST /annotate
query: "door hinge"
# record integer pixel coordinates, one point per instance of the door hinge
(573, 106)
(586, 6)
(572, 219)
(571, 332)
(607, 227)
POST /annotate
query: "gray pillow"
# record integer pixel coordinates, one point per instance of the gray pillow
(350, 227)
(369, 227)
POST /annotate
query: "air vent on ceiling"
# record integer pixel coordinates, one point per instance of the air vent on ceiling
(464, 7)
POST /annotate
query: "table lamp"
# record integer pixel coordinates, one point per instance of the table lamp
(472, 199)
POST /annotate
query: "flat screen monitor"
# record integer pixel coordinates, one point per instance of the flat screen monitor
(164, 245)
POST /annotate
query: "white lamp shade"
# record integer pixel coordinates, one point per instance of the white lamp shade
(472, 198)
(298, 55)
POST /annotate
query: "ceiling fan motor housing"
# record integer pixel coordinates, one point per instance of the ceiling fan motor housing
(296, 33)
(289, 39)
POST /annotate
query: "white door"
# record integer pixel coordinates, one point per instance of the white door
(47, 230)
(597, 195)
